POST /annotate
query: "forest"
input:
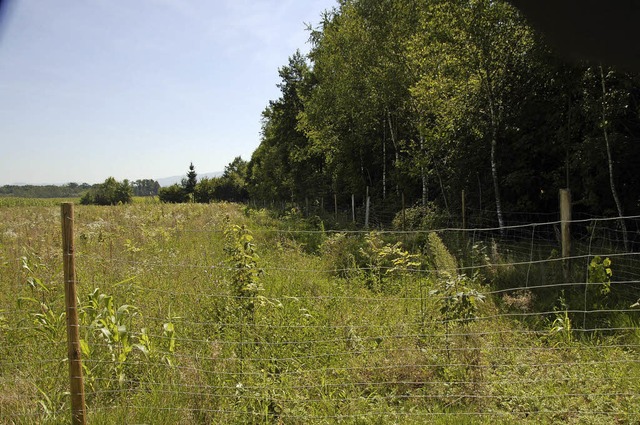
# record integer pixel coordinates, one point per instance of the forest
(427, 99)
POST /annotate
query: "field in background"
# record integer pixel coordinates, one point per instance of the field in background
(218, 313)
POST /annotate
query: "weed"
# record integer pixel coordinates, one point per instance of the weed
(245, 273)
(562, 327)
(387, 264)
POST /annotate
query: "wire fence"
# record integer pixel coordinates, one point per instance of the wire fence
(313, 326)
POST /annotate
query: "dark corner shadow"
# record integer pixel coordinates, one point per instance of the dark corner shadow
(602, 32)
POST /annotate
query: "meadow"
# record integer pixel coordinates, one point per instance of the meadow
(218, 313)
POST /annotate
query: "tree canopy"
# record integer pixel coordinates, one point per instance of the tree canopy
(432, 98)
(111, 192)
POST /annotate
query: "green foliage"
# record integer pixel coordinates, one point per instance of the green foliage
(206, 190)
(245, 272)
(111, 325)
(174, 194)
(386, 263)
(110, 343)
(145, 187)
(600, 272)
(189, 184)
(432, 98)
(328, 350)
(343, 254)
(47, 321)
(459, 300)
(69, 190)
(443, 262)
(111, 192)
(418, 218)
(286, 165)
(562, 327)
(230, 187)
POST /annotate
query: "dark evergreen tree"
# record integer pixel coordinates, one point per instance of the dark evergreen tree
(190, 182)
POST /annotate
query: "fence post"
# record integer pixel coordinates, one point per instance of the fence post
(70, 297)
(353, 207)
(335, 204)
(565, 232)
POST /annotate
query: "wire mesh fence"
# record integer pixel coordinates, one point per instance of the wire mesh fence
(212, 313)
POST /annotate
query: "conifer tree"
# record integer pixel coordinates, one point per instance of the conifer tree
(190, 182)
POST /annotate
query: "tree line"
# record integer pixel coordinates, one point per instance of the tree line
(230, 187)
(430, 98)
(141, 187)
(426, 99)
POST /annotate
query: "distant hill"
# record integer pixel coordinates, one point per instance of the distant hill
(168, 181)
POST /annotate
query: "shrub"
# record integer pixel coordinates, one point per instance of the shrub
(386, 262)
(111, 192)
(342, 253)
(173, 194)
(206, 189)
(444, 263)
(418, 218)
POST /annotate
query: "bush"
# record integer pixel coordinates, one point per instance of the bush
(111, 192)
(205, 190)
(173, 194)
(419, 218)
(342, 253)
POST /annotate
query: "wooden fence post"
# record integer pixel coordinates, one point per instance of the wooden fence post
(73, 339)
(335, 204)
(353, 207)
(565, 222)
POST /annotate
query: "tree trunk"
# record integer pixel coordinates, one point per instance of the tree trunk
(494, 175)
(384, 162)
(494, 120)
(423, 174)
(395, 148)
(444, 194)
(614, 192)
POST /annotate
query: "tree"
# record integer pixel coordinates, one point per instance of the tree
(205, 190)
(174, 194)
(145, 187)
(111, 192)
(467, 55)
(190, 182)
(286, 166)
(232, 185)
(441, 96)
(183, 192)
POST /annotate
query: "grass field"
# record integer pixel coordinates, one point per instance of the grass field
(216, 313)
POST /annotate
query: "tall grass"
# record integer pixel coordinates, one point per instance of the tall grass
(170, 337)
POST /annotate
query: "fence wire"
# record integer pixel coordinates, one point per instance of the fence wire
(430, 325)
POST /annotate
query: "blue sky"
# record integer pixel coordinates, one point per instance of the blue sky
(139, 88)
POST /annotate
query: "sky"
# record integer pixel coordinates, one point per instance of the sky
(139, 89)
